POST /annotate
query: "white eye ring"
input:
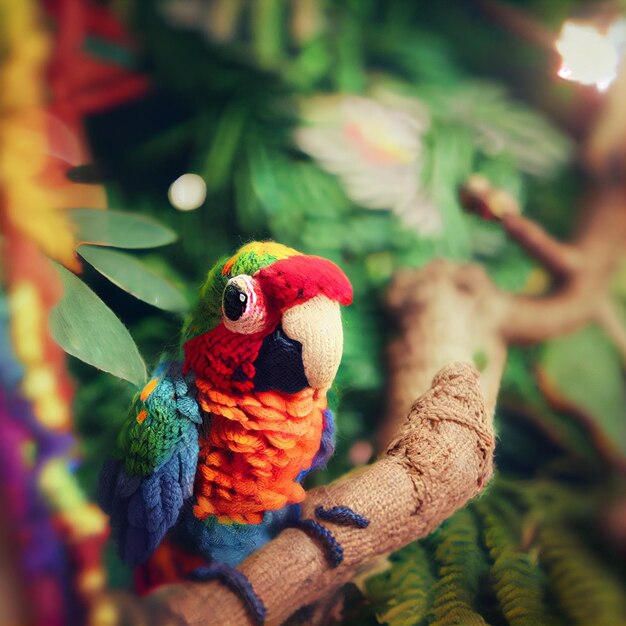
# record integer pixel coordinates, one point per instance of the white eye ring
(243, 305)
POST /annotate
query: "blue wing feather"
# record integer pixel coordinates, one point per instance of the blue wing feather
(327, 443)
(327, 446)
(145, 487)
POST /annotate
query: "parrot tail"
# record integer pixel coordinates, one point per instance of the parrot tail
(168, 564)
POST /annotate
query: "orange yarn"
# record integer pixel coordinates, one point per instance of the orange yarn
(255, 448)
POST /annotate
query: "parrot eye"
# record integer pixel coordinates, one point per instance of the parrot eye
(243, 305)
(235, 302)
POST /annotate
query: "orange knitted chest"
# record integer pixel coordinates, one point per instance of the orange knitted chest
(252, 451)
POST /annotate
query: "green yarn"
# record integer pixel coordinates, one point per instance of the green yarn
(145, 446)
(156, 423)
(208, 312)
(249, 259)
(250, 262)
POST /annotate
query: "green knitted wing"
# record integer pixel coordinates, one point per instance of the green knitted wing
(162, 418)
(144, 486)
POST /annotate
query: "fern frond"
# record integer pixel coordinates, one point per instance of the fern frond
(517, 581)
(402, 595)
(461, 565)
(586, 590)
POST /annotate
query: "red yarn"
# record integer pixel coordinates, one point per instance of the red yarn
(299, 278)
(224, 359)
(168, 563)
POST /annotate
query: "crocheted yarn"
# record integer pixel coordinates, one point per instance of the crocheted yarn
(247, 260)
(235, 581)
(144, 489)
(210, 459)
(255, 450)
(287, 277)
(264, 390)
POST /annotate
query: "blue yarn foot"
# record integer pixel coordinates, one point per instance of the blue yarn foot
(341, 515)
(236, 582)
(332, 548)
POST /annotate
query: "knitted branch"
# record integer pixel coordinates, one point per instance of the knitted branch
(479, 196)
(440, 457)
(589, 263)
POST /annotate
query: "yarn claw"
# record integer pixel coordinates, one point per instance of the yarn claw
(237, 582)
(340, 515)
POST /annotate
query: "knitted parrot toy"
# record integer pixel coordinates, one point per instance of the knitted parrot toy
(209, 464)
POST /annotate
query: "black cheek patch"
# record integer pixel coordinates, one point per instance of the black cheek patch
(279, 364)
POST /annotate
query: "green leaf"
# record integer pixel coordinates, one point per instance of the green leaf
(523, 398)
(585, 369)
(86, 328)
(119, 229)
(587, 591)
(135, 277)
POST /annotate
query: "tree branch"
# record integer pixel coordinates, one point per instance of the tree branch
(577, 301)
(444, 313)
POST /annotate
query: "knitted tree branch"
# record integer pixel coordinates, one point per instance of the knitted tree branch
(444, 313)
(581, 295)
(437, 457)
(581, 270)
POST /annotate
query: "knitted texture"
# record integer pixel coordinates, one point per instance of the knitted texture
(316, 324)
(235, 581)
(286, 276)
(264, 390)
(255, 449)
(247, 260)
(210, 459)
(441, 458)
(143, 490)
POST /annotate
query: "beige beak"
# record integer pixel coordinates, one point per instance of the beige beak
(316, 324)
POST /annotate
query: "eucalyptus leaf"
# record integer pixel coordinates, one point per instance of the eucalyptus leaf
(119, 229)
(135, 277)
(86, 328)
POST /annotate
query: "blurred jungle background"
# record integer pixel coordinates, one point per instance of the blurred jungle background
(141, 141)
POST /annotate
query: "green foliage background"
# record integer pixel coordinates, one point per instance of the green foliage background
(541, 545)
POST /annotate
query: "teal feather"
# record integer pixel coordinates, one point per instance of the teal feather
(144, 487)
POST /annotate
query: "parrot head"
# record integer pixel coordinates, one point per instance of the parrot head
(268, 318)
